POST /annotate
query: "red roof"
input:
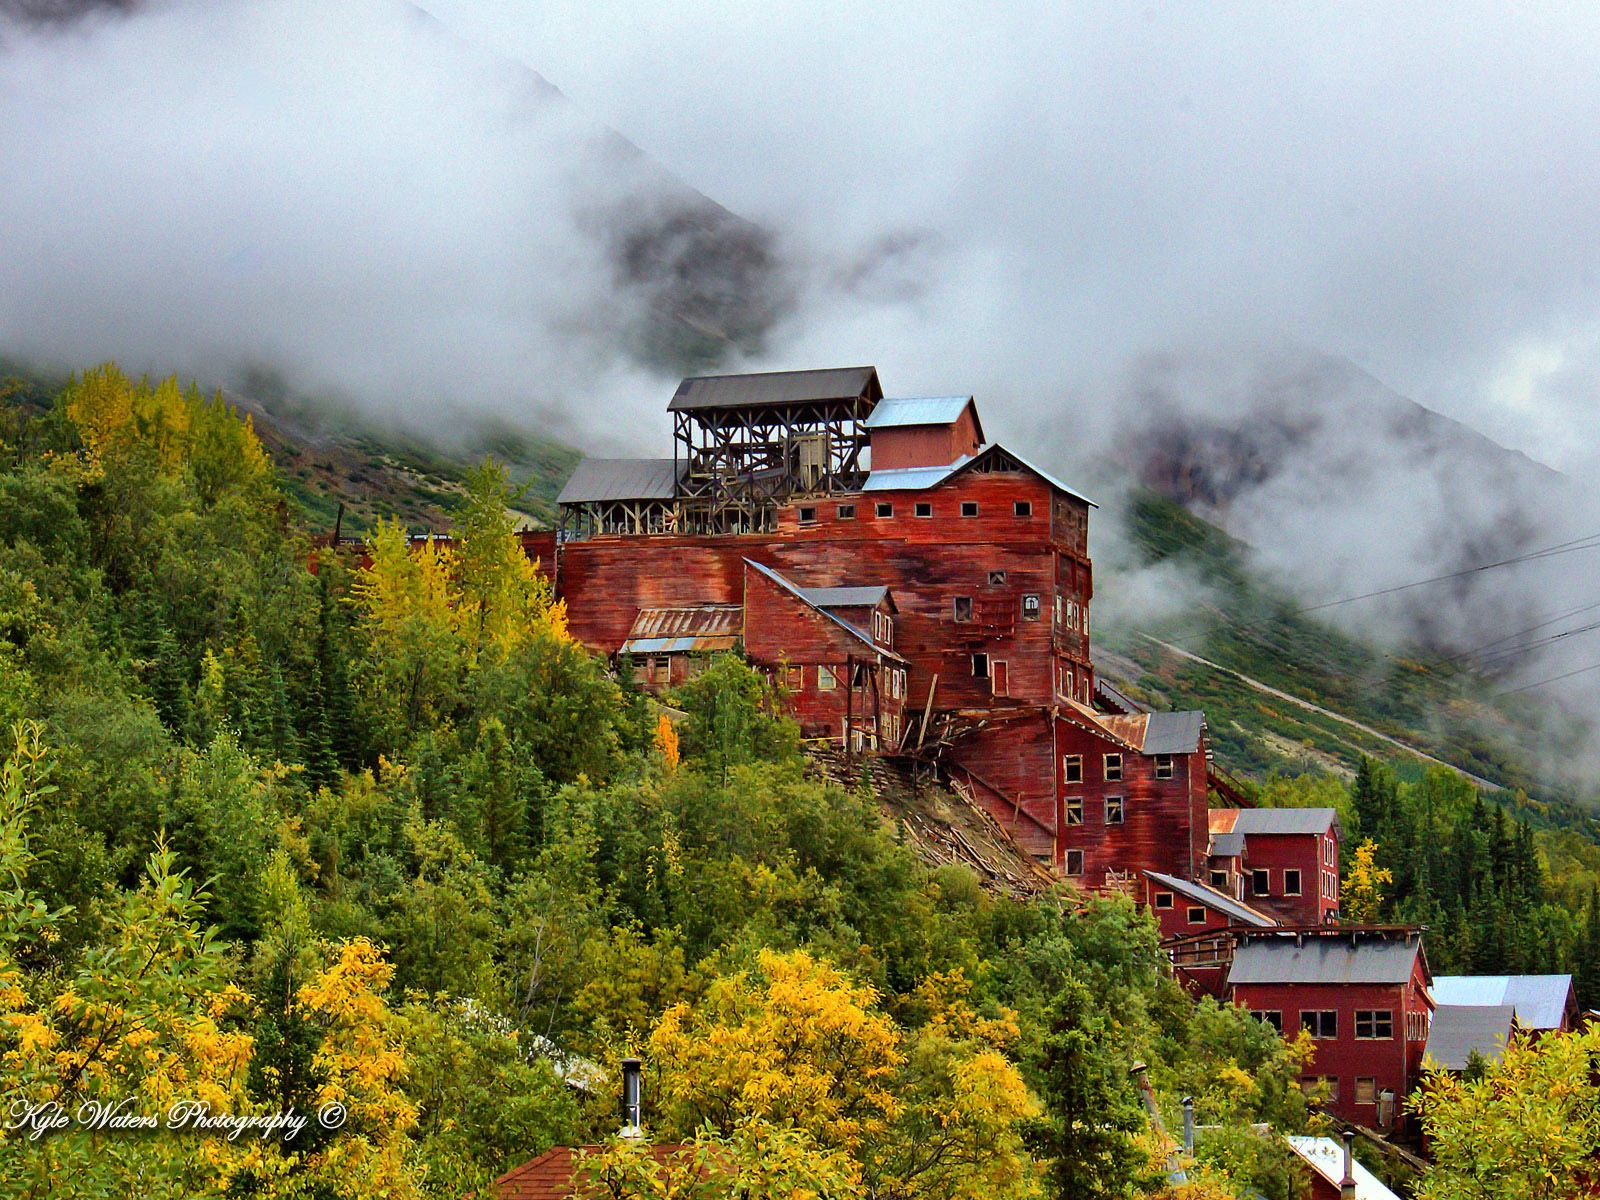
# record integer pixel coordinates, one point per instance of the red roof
(549, 1177)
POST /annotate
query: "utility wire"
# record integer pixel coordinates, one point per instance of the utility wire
(1541, 682)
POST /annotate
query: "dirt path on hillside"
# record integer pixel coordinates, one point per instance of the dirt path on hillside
(1320, 711)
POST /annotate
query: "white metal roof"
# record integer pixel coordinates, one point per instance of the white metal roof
(1326, 1157)
(929, 410)
(1540, 1000)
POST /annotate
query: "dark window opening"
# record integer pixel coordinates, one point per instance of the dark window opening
(807, 513)
(1375, 1025)
(980, 666)
(1113, 770)
(924, 509)
(1291, 882)
(1030, 607)
(1197, 915)
(969, 508)
(847, 512)
(1074, 810)
(1271, 1017)
(1113, 810)
(1022, 508)
(1163, 899)
(885, 509)
(1321, 1024)
(1260, 883)
(1072, 768)
(1074, 862)
(1163, 766)
(961, 609)
(1219, 880)
(996, 578)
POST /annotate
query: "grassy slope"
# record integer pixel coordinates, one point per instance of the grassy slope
(1249, 626)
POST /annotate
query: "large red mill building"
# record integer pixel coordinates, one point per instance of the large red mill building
(917, 590)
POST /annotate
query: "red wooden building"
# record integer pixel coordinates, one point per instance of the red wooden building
(1361, 992)
(1287, 859)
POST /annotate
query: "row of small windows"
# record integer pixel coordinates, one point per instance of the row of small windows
(1196, 914)
(1322, 1024)
(1114, 810)
(829, 678)
(1261, 882)
(1111, 767)
(1326, 1087)
(921, 508)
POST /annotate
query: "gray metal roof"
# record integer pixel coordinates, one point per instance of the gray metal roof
(846, 597)
(596, 479)
(929, 410)
(919, 479)
(1459, 1029)
(1173, 732)
(1540, 1000)
(1226, 845)
(1210, 897)
(1285, 820)
(1323, 958)
(774, 388)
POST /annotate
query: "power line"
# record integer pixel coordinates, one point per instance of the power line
(1519, 633)
(1541, 682)
(1588, 542)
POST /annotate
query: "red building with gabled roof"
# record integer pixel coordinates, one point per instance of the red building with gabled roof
(1288, 859)
(1360, 992)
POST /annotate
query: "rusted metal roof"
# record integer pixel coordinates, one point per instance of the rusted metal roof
(1210, 897)
(773, 389)
(896, 412)
(1459, 1029)
(703, 627)
(596, 479)
(1324, 959)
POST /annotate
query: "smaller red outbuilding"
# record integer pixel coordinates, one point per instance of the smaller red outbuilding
(1288, 859)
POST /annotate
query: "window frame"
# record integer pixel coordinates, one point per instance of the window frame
(825, 672)
(1270, 1016)
(1190, 915)
(1067, 863)
(884, 509)
(1162, 900)
(969, 508)
(997, 579)
(1371, 1089)
(1219, 880)
(1072, 810)
(1117, 805)
(1166, 766)
(959, 605)
(1068, 763)
(844, 512)
(980, 658)
(808, 514)
(1031, 607)
(923, 509)
(1111, 763)
(1291, 881)
(1374, 1020)
(1317, 1027)
(1022, 508)
(1257, 887)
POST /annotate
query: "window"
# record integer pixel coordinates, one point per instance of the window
(1416, 1026)
(1219, 880)
(1022, 508)
(808, 513)
(1260, 882)
(1074, 810)
(923, 508)
(882, 628)
(997, 578)
(1163, 766)
(961, 608)
(1271, 1016)
(794, 678)
(1163, 899)
(980, 666)
(1322, 1024)
(969, 508)
(826, 679)
(1366, 1091)
(1072, 768)
(1327, 850)
(1074, 862)
(885, 509)
(1197, 915)
(1113, 769)
(1030, 607)
(1374, 1025)
(1291, 882)
(847, 512)
(1113, 810)
(1328, 1084)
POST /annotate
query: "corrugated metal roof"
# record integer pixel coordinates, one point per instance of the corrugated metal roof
(920, 479)
(1326, 1157)
(772, 388)
(1540, 1000)
(1322, 959)
(1285, 820)
(846, 597)
(1210, 897)
(1459, 1029)
(1220, 820)
(893, 412)
(694, 620)
(1172, 732)
(595, 479)
(1226, 845)
(800, 593)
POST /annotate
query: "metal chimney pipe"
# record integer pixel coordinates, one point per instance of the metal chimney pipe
(632, 1098)
(1188, 1126)
(1347, 1186)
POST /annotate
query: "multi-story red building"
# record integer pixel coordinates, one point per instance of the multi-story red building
(1360, 992)
(1287, 859)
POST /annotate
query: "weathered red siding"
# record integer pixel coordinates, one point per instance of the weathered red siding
(1274, 853)
(924, 445)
